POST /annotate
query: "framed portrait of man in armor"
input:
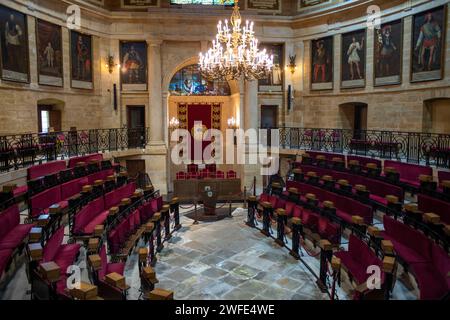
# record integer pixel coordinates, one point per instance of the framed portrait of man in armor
(14, 45)
(428, 44)
(81, 60)
(322, 64)
(353, 55)
(49, 53)
(133, 65)
(274, 81)
(388, 53)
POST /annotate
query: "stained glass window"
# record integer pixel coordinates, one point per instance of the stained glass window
(189, 82)
(204, 2)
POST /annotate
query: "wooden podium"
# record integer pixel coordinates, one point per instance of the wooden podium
(209, 198)
(209, 192)
(192, 189)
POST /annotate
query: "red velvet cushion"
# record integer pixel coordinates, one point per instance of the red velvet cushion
(409, 172)
(66, 256)
(159, 202)
(264, 197)
(9, 218)
(410, 244)
(5, 257)
(86, 215)
(297, 212)
(443, 175)
(273, 201)
(20, 190)
(358, 257)
(441, 262)
(96, 156)
(430, 204)
(310, 219)
(99, 219)
(146, 211)
(16, 236)
(73, 187)
(52, 246)
(363, 161)
(154, 205)
(289, 206)
(44, 169)
(42, 201)
(431, 284)
(115, 267)
(378, 199)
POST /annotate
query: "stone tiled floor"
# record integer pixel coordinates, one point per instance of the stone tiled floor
(228, 260)
(223, 260)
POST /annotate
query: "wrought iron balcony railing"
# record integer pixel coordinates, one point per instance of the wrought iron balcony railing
(414, 147)
(23, 150)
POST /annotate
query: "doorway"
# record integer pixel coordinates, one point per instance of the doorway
(353, 116)
(134, 167)
(269, 116)
(136, 126)
(49, 119)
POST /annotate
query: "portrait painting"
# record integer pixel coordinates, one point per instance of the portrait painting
(322, 64)
(81, 60)
(388, 53)
(265, 5)
(353, 64)
(428, 45)
(274, 81)
(49, 53)
(139, 3)
(14, 45)
(302, 4)
(133, 61)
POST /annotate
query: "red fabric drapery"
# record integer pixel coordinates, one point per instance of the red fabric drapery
(198, 114)
(203, 116)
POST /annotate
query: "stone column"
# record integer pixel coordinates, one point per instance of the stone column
(251, 112)
(251, 121)
(155, 108)
(156, 151)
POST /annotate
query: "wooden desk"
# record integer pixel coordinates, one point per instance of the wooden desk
(191, 190)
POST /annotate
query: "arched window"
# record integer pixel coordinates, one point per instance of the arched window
(189, 82)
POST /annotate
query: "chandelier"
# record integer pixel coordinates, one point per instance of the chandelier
(234, 53)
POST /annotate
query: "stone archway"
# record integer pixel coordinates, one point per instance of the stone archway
(230, 108)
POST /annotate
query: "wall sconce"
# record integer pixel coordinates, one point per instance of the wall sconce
(174, 123)
(292, 66)
(232, 124)
(110, 64)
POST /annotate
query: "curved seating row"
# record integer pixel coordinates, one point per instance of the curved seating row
(345, 207)
(408, 174)
(378, 189)
(311, 220)
(87, 158)
(96, 212)
(428, 262)
(60, 194)
(126, 227)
